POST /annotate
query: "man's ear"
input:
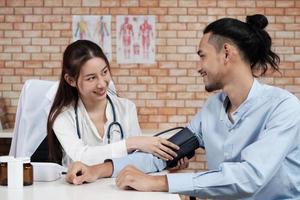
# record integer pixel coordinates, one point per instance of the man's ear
(70, 80)
(227, 53)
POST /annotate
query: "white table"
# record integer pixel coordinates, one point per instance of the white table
(103, 189)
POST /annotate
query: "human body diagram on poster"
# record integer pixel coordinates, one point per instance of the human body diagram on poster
(94, 28)
(135, 39)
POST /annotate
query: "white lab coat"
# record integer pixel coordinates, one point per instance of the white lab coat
(91, 148)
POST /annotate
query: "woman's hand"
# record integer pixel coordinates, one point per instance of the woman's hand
(183, 163)
(79, 173)
(159, 147)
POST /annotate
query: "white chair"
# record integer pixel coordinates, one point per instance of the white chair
(31, 118)
(30, 128)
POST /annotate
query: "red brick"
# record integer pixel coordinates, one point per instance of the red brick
(292, 11)
(32, 34)
(155, 103)
(33, 3)
(21, 56)
(52, 18)
(110, 3)
(175, 103)
(285, 3)
(180, 11)
(167, 111)
(6, 26)
(42, 72)
(157, 118)
(187, 3)
(23, 71)
(266, 4)
(207, 3)
(44, 11)
(147, 3)
(197, 11)
(14, 49)
(158, 11)
(15, 3)
(13, 18)
(166, 95)
(23, 11)
(246, 4)
(64, 11)
(13, 34)
(80, 11)
(51, 3)
(146, 95)
(33, 64)
(148, 111)
(41, 26)
(40, 56)
(129, 3)
(33, 18)
(140, 11)
(119, 11)
(91, 3)
(14, 64)
(61, 26)
(4, 11)
(99, 11)
(6, 71)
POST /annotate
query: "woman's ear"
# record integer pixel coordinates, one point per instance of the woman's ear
(70, 80)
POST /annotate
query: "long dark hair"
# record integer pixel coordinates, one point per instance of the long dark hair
(253, 42)
(74, 57)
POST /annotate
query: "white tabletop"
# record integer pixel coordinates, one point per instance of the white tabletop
(101, 189)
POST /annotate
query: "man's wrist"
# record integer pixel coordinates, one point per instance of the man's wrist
(159, 183)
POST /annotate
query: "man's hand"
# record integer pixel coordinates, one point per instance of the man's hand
(78, 173)
(183, 163)
(132, 178)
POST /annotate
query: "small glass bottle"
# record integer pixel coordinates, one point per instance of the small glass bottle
(27, 171)
(3, 169)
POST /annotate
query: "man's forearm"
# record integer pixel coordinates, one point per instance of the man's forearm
(159, 183)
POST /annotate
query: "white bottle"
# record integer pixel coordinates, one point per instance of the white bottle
(15, 173)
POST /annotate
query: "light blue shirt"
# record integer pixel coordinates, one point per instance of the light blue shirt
(255, 157)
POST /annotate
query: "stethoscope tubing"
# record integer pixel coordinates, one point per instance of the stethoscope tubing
(109, 126)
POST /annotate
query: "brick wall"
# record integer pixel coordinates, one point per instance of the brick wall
(34, 33)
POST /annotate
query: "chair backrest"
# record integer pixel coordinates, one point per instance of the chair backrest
(30, 130)
(31, 118)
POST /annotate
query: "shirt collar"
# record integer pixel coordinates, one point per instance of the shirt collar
(254, 92)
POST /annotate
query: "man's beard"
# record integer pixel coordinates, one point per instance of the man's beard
(213, 87)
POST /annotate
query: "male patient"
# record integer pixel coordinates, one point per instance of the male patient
(250, 131)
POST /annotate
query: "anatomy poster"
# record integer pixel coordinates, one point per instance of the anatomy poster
(93, 28)
(135, 39)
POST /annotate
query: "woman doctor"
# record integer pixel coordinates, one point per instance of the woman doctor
(83, 110)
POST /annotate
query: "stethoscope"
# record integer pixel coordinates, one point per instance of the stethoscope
(109, 126)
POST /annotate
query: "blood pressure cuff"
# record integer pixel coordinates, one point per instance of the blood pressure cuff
(187, 141)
